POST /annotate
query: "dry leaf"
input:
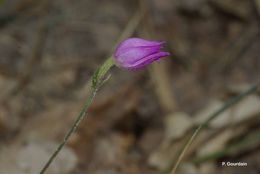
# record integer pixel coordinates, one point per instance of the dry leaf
(247, 108)
(29, 159)
(177, 124)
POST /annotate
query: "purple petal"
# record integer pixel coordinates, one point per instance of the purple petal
(137, 42)
(132, 55)
(147, 60)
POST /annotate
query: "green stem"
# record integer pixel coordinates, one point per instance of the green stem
(211, 117)
(97, 81)
(99, 75)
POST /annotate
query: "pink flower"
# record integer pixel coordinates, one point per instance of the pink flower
(135, 53)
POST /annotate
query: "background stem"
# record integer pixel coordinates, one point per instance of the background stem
(227, 105)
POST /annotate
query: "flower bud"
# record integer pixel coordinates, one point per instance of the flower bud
(135, 53)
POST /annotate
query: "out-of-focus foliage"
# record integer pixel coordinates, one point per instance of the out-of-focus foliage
(2, 1)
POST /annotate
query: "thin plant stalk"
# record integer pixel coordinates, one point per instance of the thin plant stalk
(211, 117)
(98, 79)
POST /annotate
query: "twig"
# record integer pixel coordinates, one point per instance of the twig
(256, 6)
(130, 27)
(35, 56)
(37, 50)
(158, 72)
(227, 105)
(238, 47)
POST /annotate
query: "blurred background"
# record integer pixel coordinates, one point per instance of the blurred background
(140, 119)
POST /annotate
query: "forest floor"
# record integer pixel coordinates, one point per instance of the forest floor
(141, 119)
